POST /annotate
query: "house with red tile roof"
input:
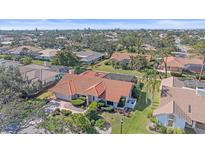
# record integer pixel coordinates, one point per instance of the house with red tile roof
(73, 86)
(177, 64)
(182, 104)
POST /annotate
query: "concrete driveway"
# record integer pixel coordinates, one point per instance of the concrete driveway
(67, 106)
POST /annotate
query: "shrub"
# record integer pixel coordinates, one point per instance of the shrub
(66, 112)
(178, 131)
(56, 112)
(92, 114)
(149, 114)
(107, 63)
(82, 98)
(153, 119)
(176, 74)
(100, 123)
(93, 105)
(108, 108)
(170, 130)
(101, 104)
(8, 57)
(26, 60)
(162, 129)
(77, 102)
(136, 91)
(122, 102)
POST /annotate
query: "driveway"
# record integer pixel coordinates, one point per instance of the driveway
(66, 106)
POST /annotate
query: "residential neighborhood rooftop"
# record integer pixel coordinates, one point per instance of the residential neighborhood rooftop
(183, 97)
(89, 56)
(94, 86)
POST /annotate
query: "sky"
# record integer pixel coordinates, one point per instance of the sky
(49, 24)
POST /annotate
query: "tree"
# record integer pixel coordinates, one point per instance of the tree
(200, 50)
(131, 42)
(164, 53)
(150, 79)
(8, 57)
(13, 109)
(66, 58)
(137, 62)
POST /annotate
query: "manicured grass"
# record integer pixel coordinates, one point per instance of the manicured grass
(2, 56)
(136, 124)
(39, 62)
(45, 95)
(108, 68)
(138, 121)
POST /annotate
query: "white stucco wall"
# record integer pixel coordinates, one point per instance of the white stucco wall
(163, 119)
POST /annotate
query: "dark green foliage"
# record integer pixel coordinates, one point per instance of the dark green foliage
(153, 119)
(79, 69)
(107, 109)
(26, 60)
(100, 123)
(8, 57)
(175, 74)
(66, 58)
(136, 91)
(66, 112)
(107, 62)
(93, 105)
(122, 102)
(92, 114)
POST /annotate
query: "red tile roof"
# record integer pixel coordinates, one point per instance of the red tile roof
(181, 62)
(110, 90)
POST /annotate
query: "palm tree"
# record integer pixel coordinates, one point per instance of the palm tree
(150, 79)
(200, 50)
(164, 53)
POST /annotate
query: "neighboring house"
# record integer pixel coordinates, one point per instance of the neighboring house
(176, 64)
(193, 68)
(41, 73)
(122, 58)
(47, 54)
(72, 86)
(182, 104)
(121, 77)
(9, 63)
(90, 73)
(24, 50)
(89, 57)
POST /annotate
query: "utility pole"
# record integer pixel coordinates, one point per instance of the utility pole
(121, 124)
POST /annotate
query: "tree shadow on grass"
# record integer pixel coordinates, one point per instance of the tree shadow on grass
(142, 104)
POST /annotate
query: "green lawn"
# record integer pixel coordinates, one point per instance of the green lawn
(137, 123)
(108, 68)
(39, 62)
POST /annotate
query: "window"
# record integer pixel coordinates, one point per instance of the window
(171, 120)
